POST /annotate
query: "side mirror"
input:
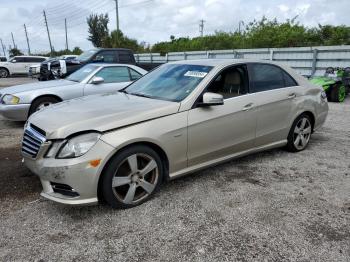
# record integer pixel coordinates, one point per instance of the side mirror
(13, 61)
(97, 80)
(212, 99)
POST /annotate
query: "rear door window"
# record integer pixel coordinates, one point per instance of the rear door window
(19, 59)
(266, 77)
(288, 80)
(125, 57)
(34, 59)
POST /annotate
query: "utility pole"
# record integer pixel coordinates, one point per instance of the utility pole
(201, 27)
(25, 30)
(65, 27)
(117, 13)
(48, 32)
(239, 26)
(13, 41)
(3, 47)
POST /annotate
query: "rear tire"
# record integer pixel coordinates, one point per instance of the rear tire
(132, 177)
(41, 103)
(4, 73)
(338, 93)
(299, 134)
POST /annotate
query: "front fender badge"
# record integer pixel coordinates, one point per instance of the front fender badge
(95, 162)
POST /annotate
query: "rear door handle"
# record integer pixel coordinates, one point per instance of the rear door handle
(247, 107)
(292, 95)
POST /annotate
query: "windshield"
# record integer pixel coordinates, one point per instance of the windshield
(82, 73)
(87, 55)
(172, 82)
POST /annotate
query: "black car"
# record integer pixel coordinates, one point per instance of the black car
(55, 68)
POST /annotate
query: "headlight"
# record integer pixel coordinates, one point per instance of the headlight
(79, 145)
(10, 100)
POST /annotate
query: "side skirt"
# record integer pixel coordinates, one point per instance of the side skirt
(218, 161)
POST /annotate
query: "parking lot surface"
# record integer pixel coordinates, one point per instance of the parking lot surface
(4, 82)
(273, 206)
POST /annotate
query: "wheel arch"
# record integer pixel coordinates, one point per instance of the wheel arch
(152, 145)
(8, 71)
(42, 96)
(312, 118)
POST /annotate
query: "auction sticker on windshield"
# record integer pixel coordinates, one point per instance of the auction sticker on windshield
(196, 74)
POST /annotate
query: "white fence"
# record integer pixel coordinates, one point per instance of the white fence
(306, 60)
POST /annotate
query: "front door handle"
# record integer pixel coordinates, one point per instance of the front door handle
(292, 95)
(247, 107)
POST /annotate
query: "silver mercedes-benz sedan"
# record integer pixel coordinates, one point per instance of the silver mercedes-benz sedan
(181, 117)
(19, 102)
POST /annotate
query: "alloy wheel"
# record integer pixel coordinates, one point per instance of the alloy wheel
(3, 73)
(302, 133)
(135, 178)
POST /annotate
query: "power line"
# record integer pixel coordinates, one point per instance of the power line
(77, 14)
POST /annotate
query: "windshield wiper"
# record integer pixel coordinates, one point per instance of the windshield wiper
(141, 95)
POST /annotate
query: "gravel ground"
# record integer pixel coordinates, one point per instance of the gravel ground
(271, 206)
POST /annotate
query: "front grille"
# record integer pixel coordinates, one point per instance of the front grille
(32, 141)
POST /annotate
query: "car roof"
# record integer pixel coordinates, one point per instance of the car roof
(31, 56)
(108, 64)
(135, 67)
(221, 62)
(112, 49)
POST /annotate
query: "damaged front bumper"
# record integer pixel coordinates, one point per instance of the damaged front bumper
(71, 181)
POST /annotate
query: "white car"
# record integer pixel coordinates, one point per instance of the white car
(19, 65)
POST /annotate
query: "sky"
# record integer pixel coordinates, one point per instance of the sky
(152, 21)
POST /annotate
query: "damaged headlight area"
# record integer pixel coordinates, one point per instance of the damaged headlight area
(73, 147)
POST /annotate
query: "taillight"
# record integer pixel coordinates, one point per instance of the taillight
(323, 95)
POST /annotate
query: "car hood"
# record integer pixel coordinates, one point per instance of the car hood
(99, 112)
(37, 85)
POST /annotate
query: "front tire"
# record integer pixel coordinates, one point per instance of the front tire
(4, 73)
(299, 134)
(132, 177)
(338, 93)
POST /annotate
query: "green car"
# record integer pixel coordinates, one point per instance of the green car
(335, 82)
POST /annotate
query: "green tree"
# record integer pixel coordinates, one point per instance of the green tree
(98, 29)
(76, 51)
(15, 52)
(118, 40)
(264, 33)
